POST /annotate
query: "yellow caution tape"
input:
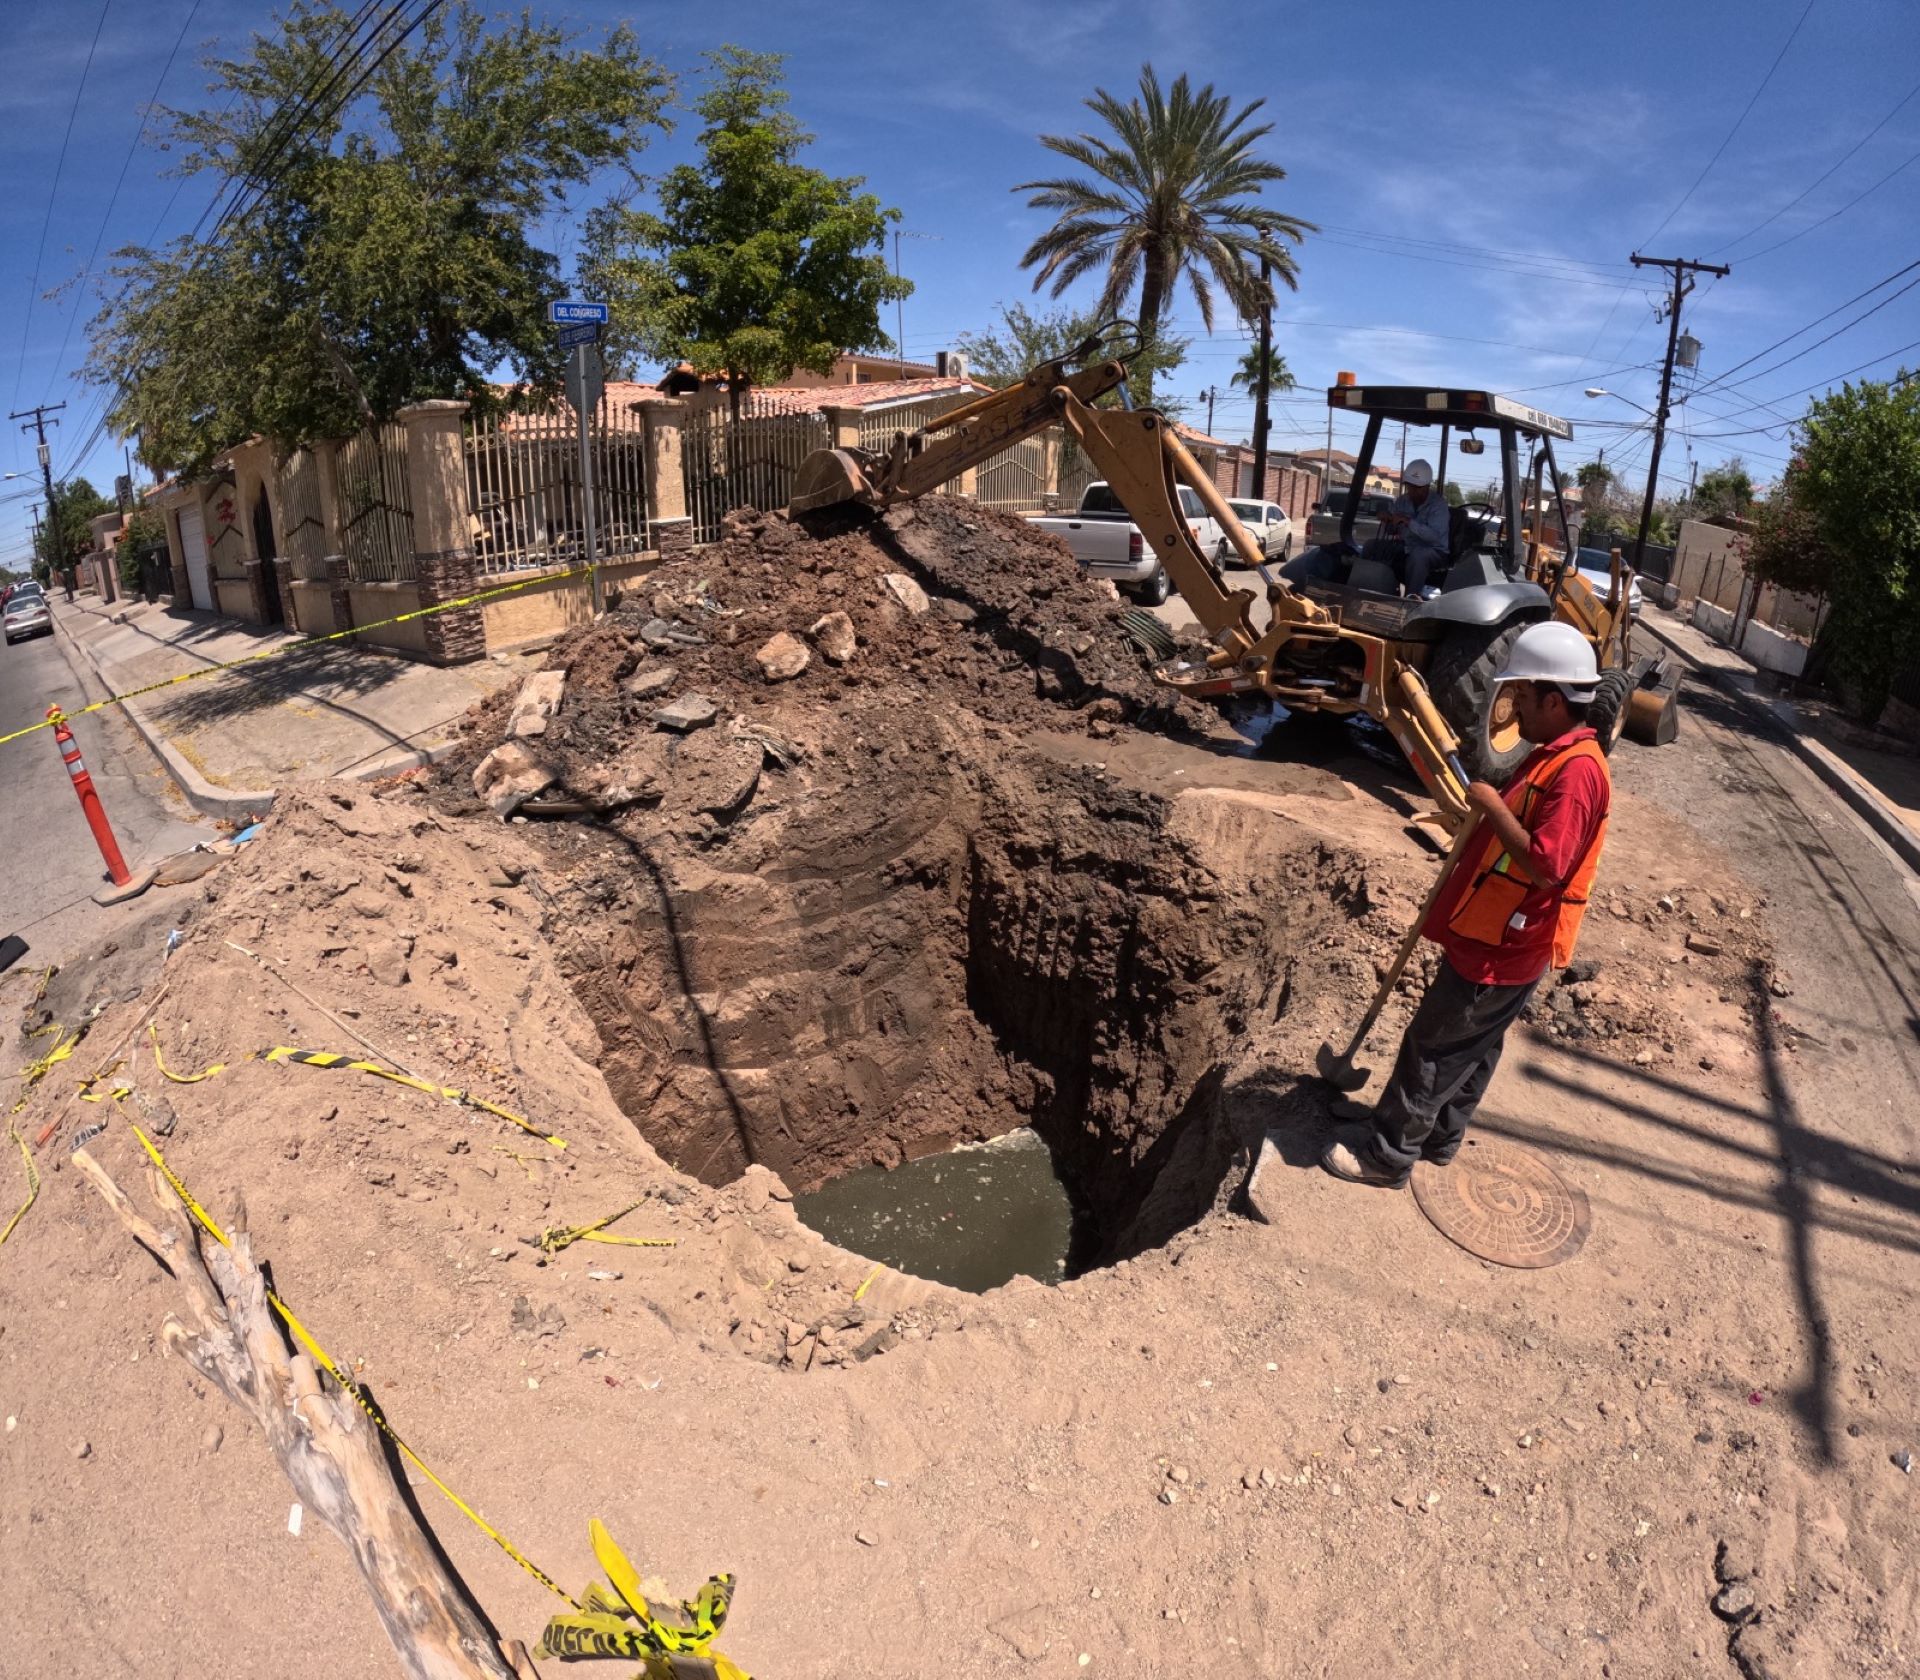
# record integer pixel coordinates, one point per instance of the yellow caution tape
(325, 1361)
(153, 1032)
(30, 1076)
(307, 642)
(557, 1237)
(868, 1284)
(617, 1621)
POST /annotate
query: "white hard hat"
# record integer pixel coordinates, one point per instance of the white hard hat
(1420, 474)
(1553, 653)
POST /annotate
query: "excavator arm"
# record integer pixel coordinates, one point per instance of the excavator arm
(1135, 450)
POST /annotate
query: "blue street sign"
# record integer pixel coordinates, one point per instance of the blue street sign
(576, 311)
(587, 332)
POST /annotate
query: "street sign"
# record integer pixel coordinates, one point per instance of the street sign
(587, 332)
(586, 379)
(566, 313)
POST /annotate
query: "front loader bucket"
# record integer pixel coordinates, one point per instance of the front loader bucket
(1653, 709)
(827, 477)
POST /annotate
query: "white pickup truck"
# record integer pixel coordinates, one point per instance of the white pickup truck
(1106, 541)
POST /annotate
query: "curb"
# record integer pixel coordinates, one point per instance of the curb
(1778, 716)
(198, 792)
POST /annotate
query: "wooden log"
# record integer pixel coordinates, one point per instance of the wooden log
(327, 1445)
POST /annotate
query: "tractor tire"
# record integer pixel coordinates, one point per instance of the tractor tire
(1607, 712)
(1154, 592)
(1460, 679)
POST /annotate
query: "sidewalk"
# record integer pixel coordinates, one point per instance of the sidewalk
(337, 709)
(1883, 788)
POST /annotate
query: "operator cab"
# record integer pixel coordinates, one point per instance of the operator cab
(1485, 548)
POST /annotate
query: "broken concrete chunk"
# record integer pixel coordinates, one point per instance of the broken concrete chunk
(387, 960)
(539, 699)
(1705, 944)
(833, 635)
(689, 712)
(649, 682)
(782, 657)
(1265, 1183)
(508, 777)
(904, 590)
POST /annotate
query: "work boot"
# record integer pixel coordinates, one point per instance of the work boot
(1357, 1164)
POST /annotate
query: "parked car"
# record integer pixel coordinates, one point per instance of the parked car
(1596, 566)
(1106, 541)
(26, 614)
(1270, 528)
(1323, 526)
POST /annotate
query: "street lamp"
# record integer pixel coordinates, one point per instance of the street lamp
(1600, 391)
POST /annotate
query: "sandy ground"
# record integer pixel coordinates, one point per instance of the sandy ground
(1333, 1445)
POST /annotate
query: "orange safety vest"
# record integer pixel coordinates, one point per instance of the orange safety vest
(1489, 904)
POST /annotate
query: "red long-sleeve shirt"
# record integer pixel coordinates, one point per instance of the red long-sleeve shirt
(1565, 819)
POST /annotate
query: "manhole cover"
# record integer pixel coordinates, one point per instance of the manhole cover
(1505, 1204)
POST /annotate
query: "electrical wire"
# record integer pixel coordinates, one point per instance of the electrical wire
(1898, 168)
(1721, 379)
(1845, 327)
(1745, 112)
(1833, 169)
(53, 198)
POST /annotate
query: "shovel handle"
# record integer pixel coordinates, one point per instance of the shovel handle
(1455, 852)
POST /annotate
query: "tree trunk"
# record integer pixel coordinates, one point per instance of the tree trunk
(328, 1447)
(1153, 303)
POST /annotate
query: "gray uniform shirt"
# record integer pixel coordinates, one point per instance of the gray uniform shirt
(1426, 529)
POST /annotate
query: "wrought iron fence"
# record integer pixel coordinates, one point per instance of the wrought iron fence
(304, 532)
(1018, 479)
(748, 462)
(878, 425)
(523, 486)
(376, 505)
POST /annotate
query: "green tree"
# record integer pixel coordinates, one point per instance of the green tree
(66, 533)
(1454, 495)
(1001, 354)
(391, 253)
(1169, 195)
(1860, 481)
(1247, 375)
(755, 264)
(1725, 492)
(1595, 479)
(1786, 548)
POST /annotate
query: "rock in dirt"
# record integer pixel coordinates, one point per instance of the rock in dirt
(670, 633)
(833, 635)
(1704, 944)
(782, 657)
(387, 961)
(688, 713)
(638, 775)
(530, 1326)
(650, 681)
(1264, 1188)
(1734, 1602)
(508, 777)
(908, 593)
(539, 699)
(716, 774)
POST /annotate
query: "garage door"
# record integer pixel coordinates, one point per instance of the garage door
(193, 540)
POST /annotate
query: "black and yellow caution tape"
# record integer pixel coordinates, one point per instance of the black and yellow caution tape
(473, 600)
(556, 1237)
(617, 1621)
(333, 1059)
(325, 1361)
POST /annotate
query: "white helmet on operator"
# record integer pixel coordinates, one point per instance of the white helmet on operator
(1419, 475)
(1553, 653)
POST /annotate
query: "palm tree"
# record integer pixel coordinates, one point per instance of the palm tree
(1169, 196)
(1247, 375)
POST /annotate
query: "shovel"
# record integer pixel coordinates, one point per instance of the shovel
(1337, 1067)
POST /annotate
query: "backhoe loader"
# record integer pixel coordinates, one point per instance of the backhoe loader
(1348, 641)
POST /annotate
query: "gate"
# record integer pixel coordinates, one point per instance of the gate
(376, 505)
(523, 486)
(744, 463)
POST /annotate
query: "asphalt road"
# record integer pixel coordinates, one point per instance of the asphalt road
(49, 864)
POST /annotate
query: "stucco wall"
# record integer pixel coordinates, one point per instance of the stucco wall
(376, 601)
(313, 608)
(543, 610)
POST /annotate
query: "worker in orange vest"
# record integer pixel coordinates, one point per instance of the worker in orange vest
(1509, 912)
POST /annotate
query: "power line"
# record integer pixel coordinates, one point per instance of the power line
(114, 197)
(1897, 169)
(1845, 327)
(1721, 379)
(1851, 152)
(1724, 144)
(53, 198)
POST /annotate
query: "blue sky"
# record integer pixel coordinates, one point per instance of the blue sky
(1481, 173)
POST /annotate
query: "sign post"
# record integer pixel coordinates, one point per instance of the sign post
(580, 323)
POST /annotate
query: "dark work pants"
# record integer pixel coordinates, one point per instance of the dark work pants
(1446, 1062)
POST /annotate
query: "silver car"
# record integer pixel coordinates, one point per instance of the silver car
(26, 615)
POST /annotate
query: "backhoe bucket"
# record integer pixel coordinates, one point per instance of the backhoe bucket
(827, 477)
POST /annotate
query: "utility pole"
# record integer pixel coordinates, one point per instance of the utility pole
(900, 303)
(1262, 422)
(36, 422)
(1210, 393)
(1683, 271)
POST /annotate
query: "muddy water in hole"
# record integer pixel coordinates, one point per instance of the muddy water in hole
(972, 1218)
